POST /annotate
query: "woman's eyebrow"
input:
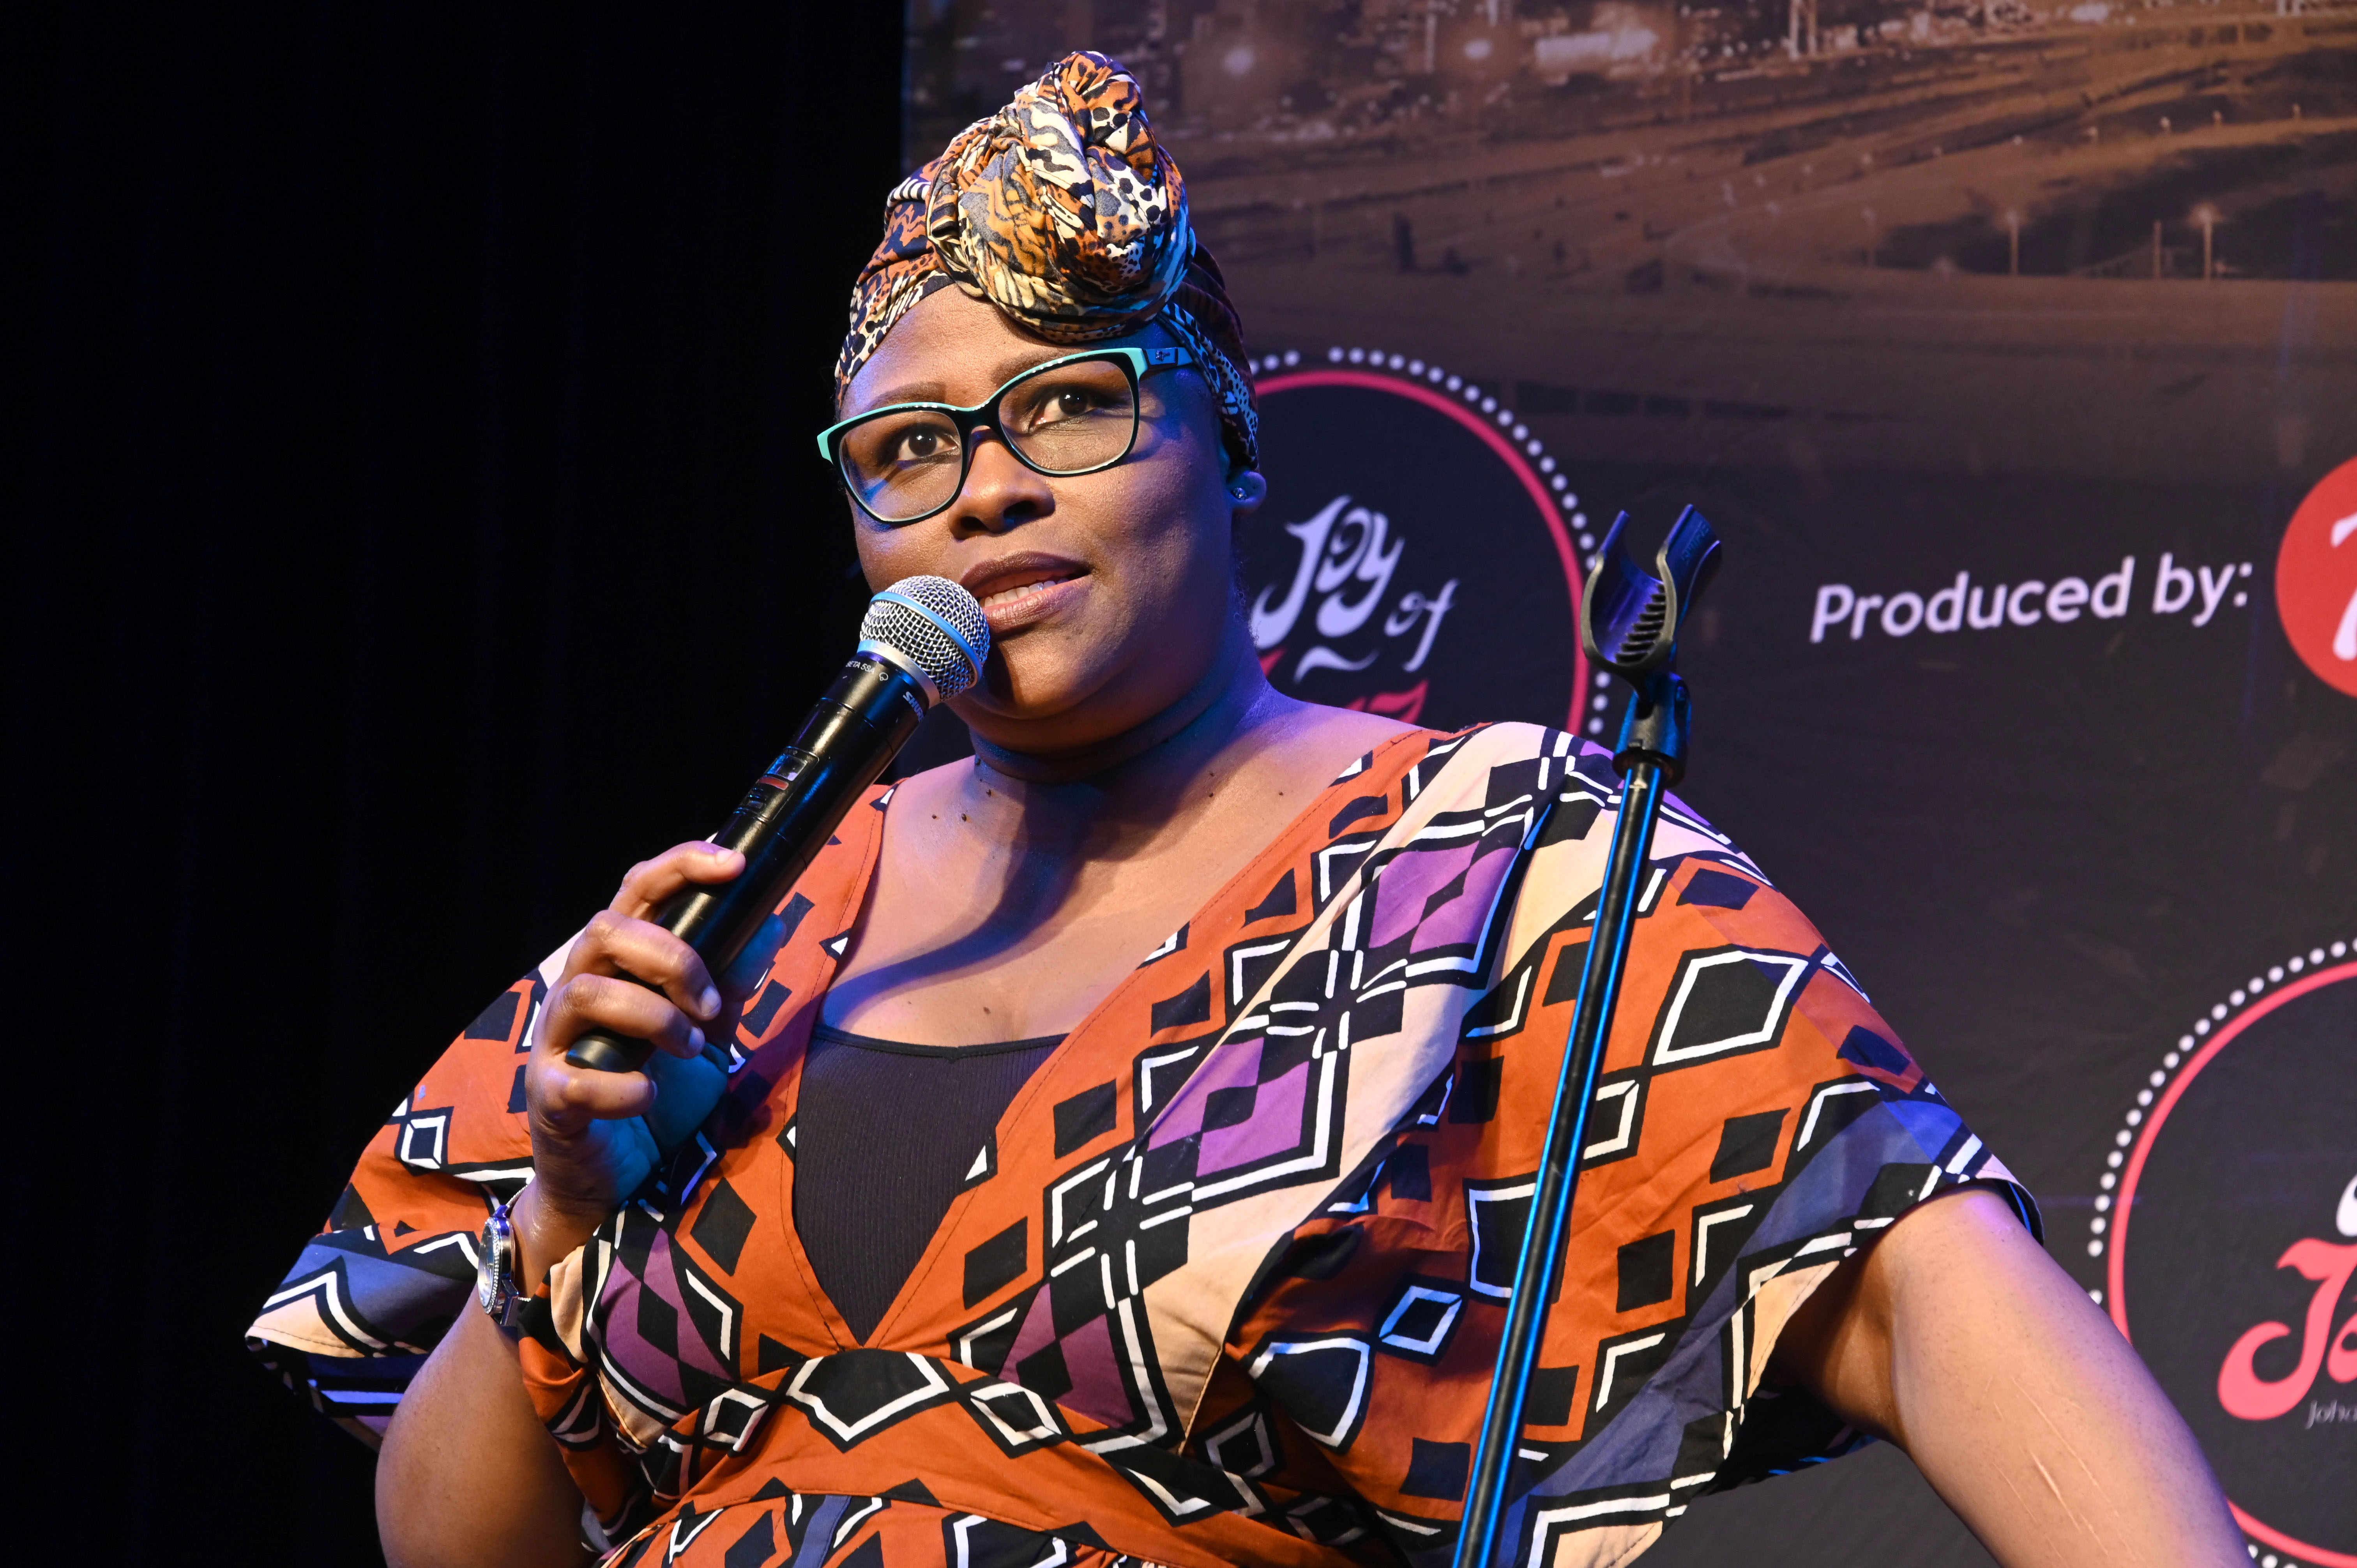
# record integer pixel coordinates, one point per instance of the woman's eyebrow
(1006, 369)
(914, 392)
(1014, 365)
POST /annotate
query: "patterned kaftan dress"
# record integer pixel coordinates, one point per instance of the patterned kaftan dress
(1225, 1285)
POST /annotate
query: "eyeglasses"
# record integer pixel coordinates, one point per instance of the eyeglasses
(908, 461)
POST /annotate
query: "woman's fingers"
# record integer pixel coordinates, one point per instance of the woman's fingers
(651, 882)
(566, 1100)
(616, 944)
(586, 1154)
(620, 1006)
(594, 1134)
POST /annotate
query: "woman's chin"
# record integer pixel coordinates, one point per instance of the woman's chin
(1065, 688)
(1028, 691)
(1058, 713)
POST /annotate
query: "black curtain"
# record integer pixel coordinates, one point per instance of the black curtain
(414, 520)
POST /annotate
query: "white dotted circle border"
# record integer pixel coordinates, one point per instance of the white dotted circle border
(2170, 1064)
(1599, 700)
(2156, 1084)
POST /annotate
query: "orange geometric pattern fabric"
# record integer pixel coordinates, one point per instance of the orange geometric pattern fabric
(1225, 1284)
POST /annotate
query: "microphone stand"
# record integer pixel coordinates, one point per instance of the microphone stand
(1628, 622)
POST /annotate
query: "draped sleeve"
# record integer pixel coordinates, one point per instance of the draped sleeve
(370, 1295)
(1755, 1122)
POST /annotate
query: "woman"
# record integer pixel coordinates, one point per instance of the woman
(1126, 1137)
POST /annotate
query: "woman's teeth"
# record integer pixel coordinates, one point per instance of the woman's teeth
(1006, 597)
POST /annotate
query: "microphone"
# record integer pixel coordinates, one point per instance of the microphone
(922, 639)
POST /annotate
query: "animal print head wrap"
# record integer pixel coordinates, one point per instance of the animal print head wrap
(1062, 210)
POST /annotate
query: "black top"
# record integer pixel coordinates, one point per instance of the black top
(884, 1136)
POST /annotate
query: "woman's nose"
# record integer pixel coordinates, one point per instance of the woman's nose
(1000, 492)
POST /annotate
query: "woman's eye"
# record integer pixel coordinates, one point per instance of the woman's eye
(1058, 403)
(922, 446)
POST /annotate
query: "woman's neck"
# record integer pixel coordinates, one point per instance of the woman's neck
(1150, 773)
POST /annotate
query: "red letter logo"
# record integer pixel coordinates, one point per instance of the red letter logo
(2315, 579)
(2240, 1388)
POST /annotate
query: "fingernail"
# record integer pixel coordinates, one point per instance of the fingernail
(696, 1040)
(709, 1002)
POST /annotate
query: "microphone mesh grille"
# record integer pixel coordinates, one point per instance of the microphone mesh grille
(939, 628)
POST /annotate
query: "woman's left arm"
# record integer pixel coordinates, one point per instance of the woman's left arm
(1958, 1339)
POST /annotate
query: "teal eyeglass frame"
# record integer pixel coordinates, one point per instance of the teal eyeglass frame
(1136, 364)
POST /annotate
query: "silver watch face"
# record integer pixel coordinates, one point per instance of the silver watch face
(492, 1269)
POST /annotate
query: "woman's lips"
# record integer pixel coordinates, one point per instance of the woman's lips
(1029, 602)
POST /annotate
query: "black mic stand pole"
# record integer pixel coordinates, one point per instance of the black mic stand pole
(1628, 624)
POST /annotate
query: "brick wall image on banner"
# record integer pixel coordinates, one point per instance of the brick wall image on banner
(2008, 348)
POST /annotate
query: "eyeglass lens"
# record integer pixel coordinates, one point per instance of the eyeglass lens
(906, 464)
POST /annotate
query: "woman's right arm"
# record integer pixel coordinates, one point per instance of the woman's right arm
(468, 1474)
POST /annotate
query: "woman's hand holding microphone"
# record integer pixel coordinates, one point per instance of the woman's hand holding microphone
(596, 1136)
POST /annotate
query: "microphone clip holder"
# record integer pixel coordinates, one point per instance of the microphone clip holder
(1629, 625)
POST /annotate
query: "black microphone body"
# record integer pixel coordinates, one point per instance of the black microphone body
(850, 737)
(924, 639)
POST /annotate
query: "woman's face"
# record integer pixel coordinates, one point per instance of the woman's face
(1110, 594)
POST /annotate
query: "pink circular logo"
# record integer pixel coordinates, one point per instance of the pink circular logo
(2226, 1228)
(1420, 554)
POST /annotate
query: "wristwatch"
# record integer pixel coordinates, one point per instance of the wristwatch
(496, 1287)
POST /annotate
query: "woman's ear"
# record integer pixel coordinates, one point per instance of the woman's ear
(1248, 490)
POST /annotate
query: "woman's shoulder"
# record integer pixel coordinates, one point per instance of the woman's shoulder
(1513, 733)
(1351, 740)
(1347, 729)
(1491, 742)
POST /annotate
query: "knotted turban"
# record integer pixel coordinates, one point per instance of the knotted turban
(1062, 210)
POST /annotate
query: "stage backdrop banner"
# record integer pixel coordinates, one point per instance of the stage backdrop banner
(2013, 352)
